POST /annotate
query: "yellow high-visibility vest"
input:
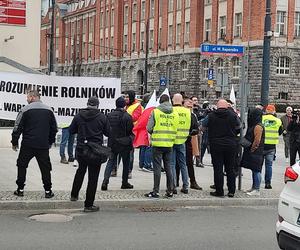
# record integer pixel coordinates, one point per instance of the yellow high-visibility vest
(165, 129)
(272, 125)
(184, 124)
(64, 125)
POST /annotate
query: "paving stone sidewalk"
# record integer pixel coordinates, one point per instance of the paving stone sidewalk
(62, 178)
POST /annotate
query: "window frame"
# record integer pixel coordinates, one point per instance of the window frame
(283, 66)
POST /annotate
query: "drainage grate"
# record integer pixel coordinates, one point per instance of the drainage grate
(156, 209)
(58, 218)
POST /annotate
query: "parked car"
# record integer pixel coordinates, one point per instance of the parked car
(288, 224)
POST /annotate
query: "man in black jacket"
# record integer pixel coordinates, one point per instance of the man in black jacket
(37, 124)
(294, 129)
(120, 142)
(222, 126)
(90, 124)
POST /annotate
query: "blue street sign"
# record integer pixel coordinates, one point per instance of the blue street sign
(225, 50)
(210, 74)
(163, 81)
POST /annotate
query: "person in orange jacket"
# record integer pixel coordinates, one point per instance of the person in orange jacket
(135, 109)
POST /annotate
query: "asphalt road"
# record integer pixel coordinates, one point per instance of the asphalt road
(220, 228)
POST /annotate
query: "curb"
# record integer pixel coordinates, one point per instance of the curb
(138, 203)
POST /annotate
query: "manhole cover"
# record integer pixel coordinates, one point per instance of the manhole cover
(156, 209)
(50, 218)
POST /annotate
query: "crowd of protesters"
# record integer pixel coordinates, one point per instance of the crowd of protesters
(172, 138)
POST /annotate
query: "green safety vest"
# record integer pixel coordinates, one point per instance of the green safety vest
(164, 131)
(272, 125)
(184, 124)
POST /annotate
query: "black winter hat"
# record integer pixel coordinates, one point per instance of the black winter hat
(120, 102)
(93, 101)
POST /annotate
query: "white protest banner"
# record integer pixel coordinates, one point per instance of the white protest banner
(66, 95)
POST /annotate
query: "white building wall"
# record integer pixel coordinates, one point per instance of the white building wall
(25, 47)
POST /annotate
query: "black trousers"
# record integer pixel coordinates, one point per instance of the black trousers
(43, 159)
(93, 175)
(294, 148)
(223, 157)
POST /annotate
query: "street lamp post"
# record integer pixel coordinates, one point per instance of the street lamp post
(266, 56)
(51, 52)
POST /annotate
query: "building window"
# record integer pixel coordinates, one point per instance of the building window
(297, 24)
(101, 47)
(151, 42)
(123, 74)
(184, 70)
(111, 45)
(220, 66)
(236, 68)
(133, 42)
(203, 94)
(107, 18)
(283, 95)
(218, 94)
(187, 3)
(170, 36)
(125, 14)
(149, 71)
(283, 66)
(142, 41)
(171, 5)
(131, 74)
(222, 30)
(280, 23)
(178, 4)
(178, 33)
(134, 12)
(238, 25)
(207, 29)
(101, 20)
(112, 17)
(125, 44)
(152, 8)
(187, 32)
(160, 7)
(143, 11)
(169, 72)
(207, 2)
(205, 67)
(158, 70)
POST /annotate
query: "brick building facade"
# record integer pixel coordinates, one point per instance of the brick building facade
(107, 38)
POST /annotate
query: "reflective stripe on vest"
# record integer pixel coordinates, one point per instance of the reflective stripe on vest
(64, 125)
(132, 108)
(272, 125)
(184, 124)
(164, 131)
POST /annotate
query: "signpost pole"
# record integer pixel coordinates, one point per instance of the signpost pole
(243, 100)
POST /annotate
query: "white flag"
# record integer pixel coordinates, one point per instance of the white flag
(152, 101)
(232, 95)
(166, 92)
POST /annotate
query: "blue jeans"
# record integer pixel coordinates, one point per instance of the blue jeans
(256, 178)
(112, 162)
(179, 156)
(269, 158)
(66, 137)
(145, 157)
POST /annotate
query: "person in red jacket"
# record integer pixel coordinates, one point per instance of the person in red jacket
(135, 109)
